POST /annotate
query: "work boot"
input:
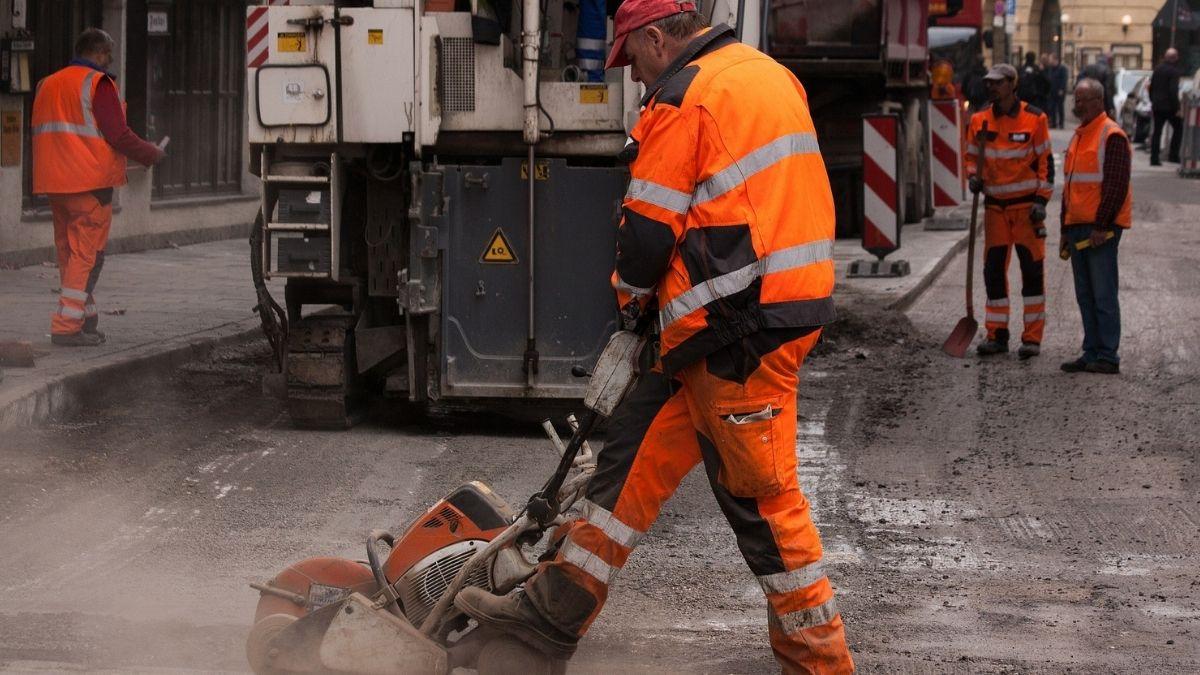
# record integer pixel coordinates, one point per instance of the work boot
(992, 347)
(1076, 366)
(1103, 367)
(513, 614)
(89, 327)
(79, 339)
(1029, 350)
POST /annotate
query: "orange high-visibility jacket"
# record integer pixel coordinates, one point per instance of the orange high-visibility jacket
(729, 219)
(1017, 157)
(69, 153)
(1084, 172)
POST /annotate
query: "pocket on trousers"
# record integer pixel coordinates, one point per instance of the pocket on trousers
(748, 435)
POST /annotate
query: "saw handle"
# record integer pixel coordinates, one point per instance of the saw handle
(544, 505)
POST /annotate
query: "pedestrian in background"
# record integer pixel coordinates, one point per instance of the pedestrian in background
(1164, 104)
(80, 142)
(1032, 87)
(1014, 176)
(1097, 204)
(1057, 76)
(1100, 72)
(974, 87)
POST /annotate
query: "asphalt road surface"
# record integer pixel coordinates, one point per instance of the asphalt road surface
(978, 516)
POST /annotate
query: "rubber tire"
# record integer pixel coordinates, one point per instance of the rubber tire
(258, 643)
(505, 655)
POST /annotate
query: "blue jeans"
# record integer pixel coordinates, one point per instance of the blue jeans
(1096, 292)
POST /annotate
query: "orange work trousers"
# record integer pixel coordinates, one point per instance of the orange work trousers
(735, 411)
(1006, 228)
(81, 226)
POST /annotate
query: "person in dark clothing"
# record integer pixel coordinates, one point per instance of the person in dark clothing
(974, 89)
(1100, 72)
(1032, 88)
(1164, 103)
(1057, 76)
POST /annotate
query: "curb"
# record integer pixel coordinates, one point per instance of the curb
(913, 294)
(61, 392)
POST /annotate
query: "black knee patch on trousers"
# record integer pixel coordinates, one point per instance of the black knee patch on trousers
(993, 272)
(560, 600)
(626, 430)
(755, 539)
(94, 276)
(1033, 276)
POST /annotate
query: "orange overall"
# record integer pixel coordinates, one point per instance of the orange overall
(77, 168)
(728, 225)
(1015, 177)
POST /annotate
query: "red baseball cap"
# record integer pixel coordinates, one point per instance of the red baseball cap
(633, 14)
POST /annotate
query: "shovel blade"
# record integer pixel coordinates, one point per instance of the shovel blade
(961, 337)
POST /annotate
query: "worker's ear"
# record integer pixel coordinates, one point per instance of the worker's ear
(656, 37)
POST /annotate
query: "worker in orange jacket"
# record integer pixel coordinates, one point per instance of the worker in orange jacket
(80, 142)
(1015, 177)
(728, 230)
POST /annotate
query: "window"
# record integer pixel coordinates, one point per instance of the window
(1127, 56)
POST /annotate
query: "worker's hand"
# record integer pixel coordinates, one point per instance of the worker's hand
(1064, 249)
(1098, 236)
(976, 184)
(1037, 214)
(160, 156)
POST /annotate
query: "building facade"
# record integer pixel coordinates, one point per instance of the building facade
(180, 67)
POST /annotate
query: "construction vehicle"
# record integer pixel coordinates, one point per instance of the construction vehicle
(441, 189)
(397, 615)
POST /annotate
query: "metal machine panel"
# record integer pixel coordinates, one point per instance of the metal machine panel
(485, 279)
(295, 62)
(378, 75)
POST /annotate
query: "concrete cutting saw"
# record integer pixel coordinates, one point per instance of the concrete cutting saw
(397, 616)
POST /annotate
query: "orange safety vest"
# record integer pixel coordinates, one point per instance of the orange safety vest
(729, 217)
(1017, 157)
(1084, 173)
(69, 153)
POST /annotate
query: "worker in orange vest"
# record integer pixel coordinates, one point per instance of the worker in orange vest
(1015, 177)
(80, 142)
(1097, 206)
(728, 230)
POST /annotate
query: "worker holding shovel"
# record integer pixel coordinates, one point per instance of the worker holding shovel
(1012, 172)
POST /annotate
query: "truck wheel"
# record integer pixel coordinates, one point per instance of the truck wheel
(324, 390)
(504, 655)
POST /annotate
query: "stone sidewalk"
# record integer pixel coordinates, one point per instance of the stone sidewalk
(157, 308)
(162, 308)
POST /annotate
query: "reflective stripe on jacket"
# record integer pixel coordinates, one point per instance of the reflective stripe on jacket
(70, 154)
(729, 218)
(1017, 157)
(1084, 174)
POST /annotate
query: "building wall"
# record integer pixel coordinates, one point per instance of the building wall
(26, 234)
(1093, 27)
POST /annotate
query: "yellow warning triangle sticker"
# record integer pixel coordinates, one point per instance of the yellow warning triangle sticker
(498, 249)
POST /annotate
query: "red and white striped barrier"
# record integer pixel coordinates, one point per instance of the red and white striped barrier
(881, 185)
(945, 151)
(257, 31)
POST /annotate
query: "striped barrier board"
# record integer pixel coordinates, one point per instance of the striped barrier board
(945, 150)
(881, 197)
(1189, 146)
(257, 30)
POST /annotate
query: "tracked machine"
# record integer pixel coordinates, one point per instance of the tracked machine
(440, 193)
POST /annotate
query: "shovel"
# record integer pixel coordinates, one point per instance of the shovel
(964, 332)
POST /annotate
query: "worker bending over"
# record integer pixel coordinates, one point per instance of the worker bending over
(80, 142)
(1014, 176)
(728, 228)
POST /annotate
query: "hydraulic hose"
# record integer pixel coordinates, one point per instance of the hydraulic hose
(273, 318)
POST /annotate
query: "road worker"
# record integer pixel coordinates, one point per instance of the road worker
(1014, 176)
(80, 142)
(728, 229)
(1097, 207)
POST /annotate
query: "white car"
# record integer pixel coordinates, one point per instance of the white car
(1126, 80)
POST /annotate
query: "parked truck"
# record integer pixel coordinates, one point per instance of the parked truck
(441, 188)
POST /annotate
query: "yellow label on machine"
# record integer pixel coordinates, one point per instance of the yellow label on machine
(375, 36)
(291, 42)
(541, 170)
(593, 93)
(499, 250)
